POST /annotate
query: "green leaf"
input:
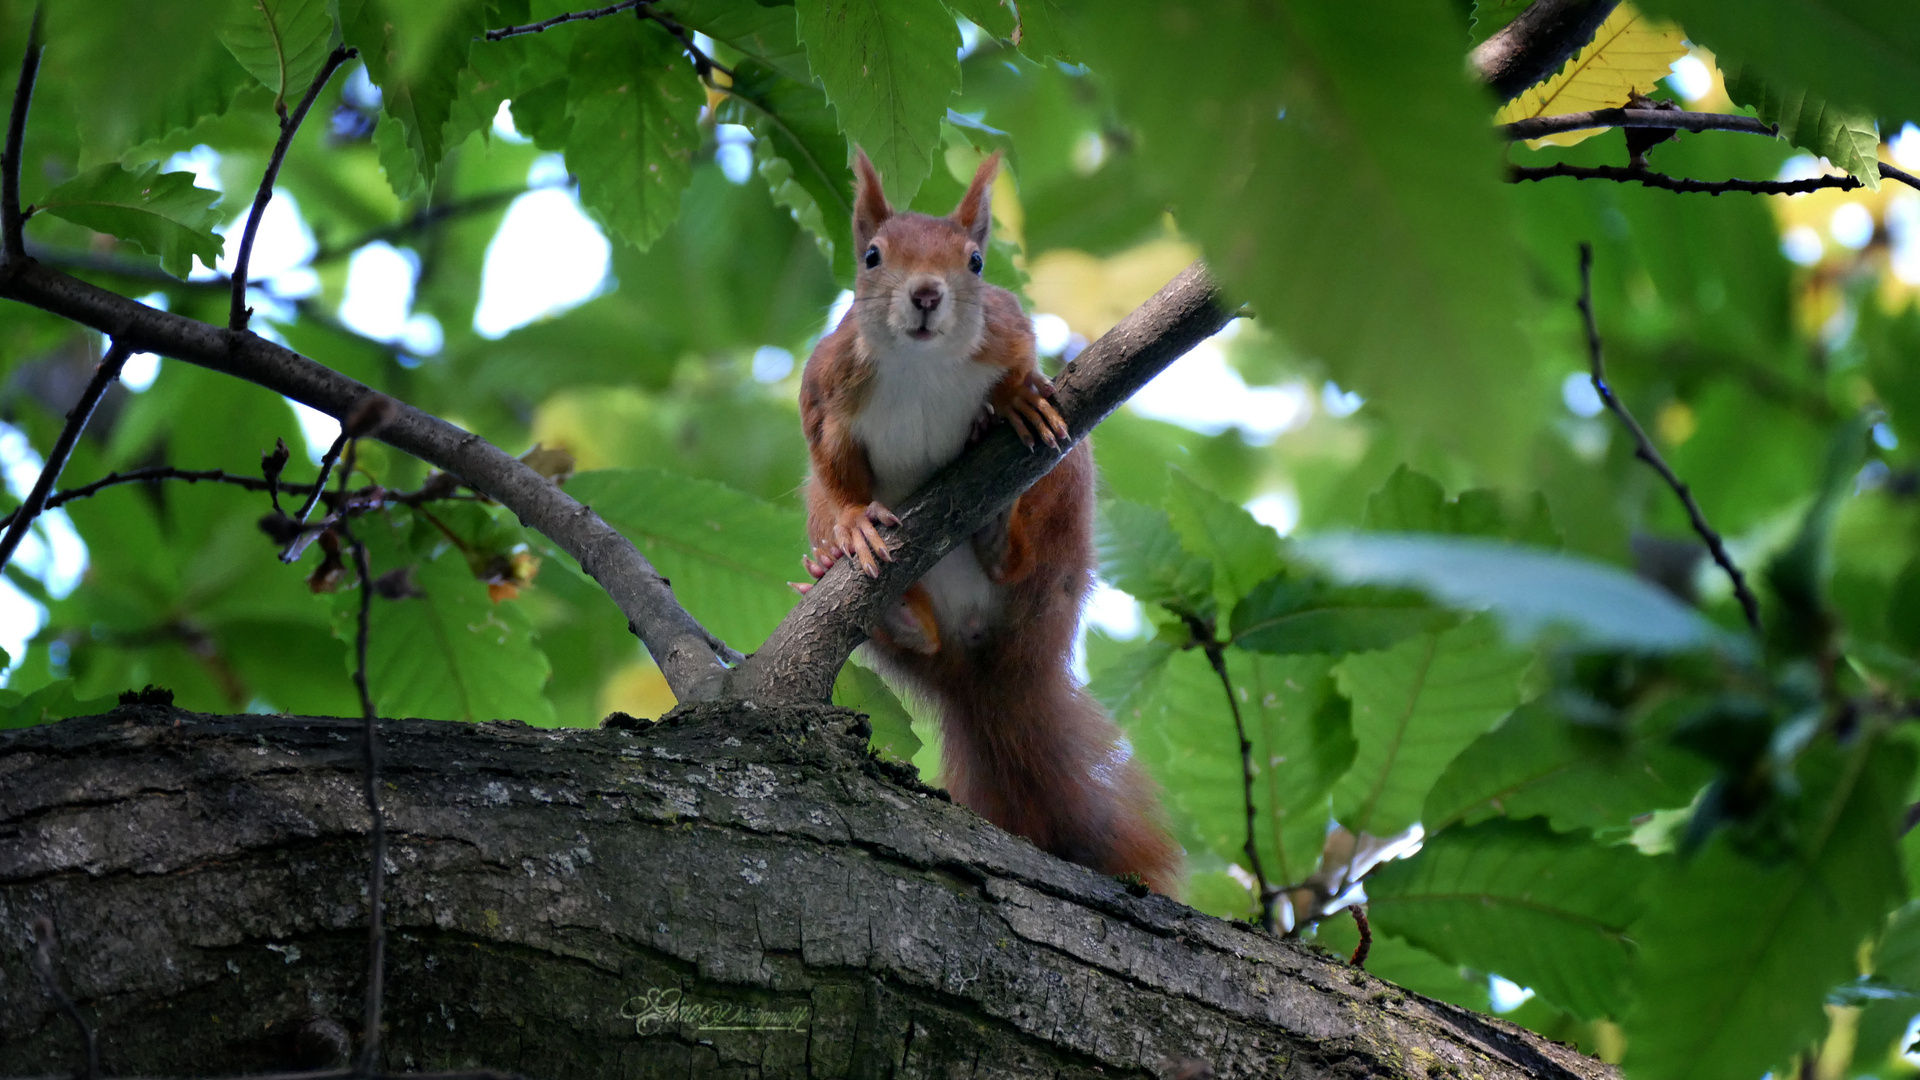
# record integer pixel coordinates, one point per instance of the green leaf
(1548, 910)
(1577, 776)
(635, 106)
(766, 34)
(1534, 593)
(1738, 952)
(1415, 706)
(861, 690)
(1286, 614)
(800, 154)
(996, 17)
(1897, 959)
(452, 654)
(55, 701)
(1848, 139)
(1140, 554)
(283, 43)
(1862, 54)
(1243, 552)
(136, 71)
(415, 53)
(1043, 32)
(889, 69)
(1363, 215)
(1413, 502)
(162, 214)
(727, 554)
(1175, 712)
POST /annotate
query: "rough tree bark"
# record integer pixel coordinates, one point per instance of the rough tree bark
(811, 911)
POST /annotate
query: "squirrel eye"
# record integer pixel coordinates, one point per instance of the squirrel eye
(975, 263)
(873, 256)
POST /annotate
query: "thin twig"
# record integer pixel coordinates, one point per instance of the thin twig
(1627, 174)
(326, 467)
(377, 830)
(1645, 451)
(12, 219)
(77, 418)
(1203, 633)
(425, 219)
(239, 313)
(1360, 951)
(434, 490)
(571, 16)
(703, 64)
(1535, 127)
(43, 967)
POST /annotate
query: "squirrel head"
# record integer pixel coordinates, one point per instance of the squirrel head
(917, 286)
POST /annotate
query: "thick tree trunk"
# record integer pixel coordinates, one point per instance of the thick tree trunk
(554, 894)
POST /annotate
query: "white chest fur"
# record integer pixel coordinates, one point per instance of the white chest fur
(922, 408)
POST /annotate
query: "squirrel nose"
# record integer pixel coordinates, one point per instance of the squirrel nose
(926, 297)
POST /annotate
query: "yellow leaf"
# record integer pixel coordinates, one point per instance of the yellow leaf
(1627, 56)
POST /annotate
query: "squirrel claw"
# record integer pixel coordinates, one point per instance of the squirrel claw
(801, 587)
(1029, 409)
(856, 534)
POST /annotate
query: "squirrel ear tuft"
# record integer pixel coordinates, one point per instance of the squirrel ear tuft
(870, 209)
(975, 212)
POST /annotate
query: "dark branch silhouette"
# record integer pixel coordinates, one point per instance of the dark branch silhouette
(1644, 449)
(239, 313)
(77, 417)
(12, 218)
(1537, 42)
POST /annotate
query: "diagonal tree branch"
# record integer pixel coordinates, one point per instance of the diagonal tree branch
(12, 220)
(686, 653)
(77, 417)
(1535, 45)
(798, 662)
(239, 313)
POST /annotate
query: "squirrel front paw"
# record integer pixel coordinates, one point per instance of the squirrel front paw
(1027, 403)
(856, 532)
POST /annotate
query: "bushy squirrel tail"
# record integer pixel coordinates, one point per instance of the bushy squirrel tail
(1032, 753)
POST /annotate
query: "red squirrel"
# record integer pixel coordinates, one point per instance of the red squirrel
(927, 352)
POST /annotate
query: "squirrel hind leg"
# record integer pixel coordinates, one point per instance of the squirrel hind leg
(911, 625)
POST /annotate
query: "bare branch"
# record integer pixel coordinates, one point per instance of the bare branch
(1644, 449)
(1521, 173)
(1674, 119)
(798, 662)
(1535, 45)
(704, 65)
(77, 417)
(12, 219)
(686, 652)
(571, 16)
(239, 313)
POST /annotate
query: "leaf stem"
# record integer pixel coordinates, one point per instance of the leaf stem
(1216, 650)
(1645, 450)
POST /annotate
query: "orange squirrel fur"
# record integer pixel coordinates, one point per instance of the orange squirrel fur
(896, 391)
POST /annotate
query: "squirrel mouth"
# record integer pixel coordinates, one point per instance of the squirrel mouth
(920, 333)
